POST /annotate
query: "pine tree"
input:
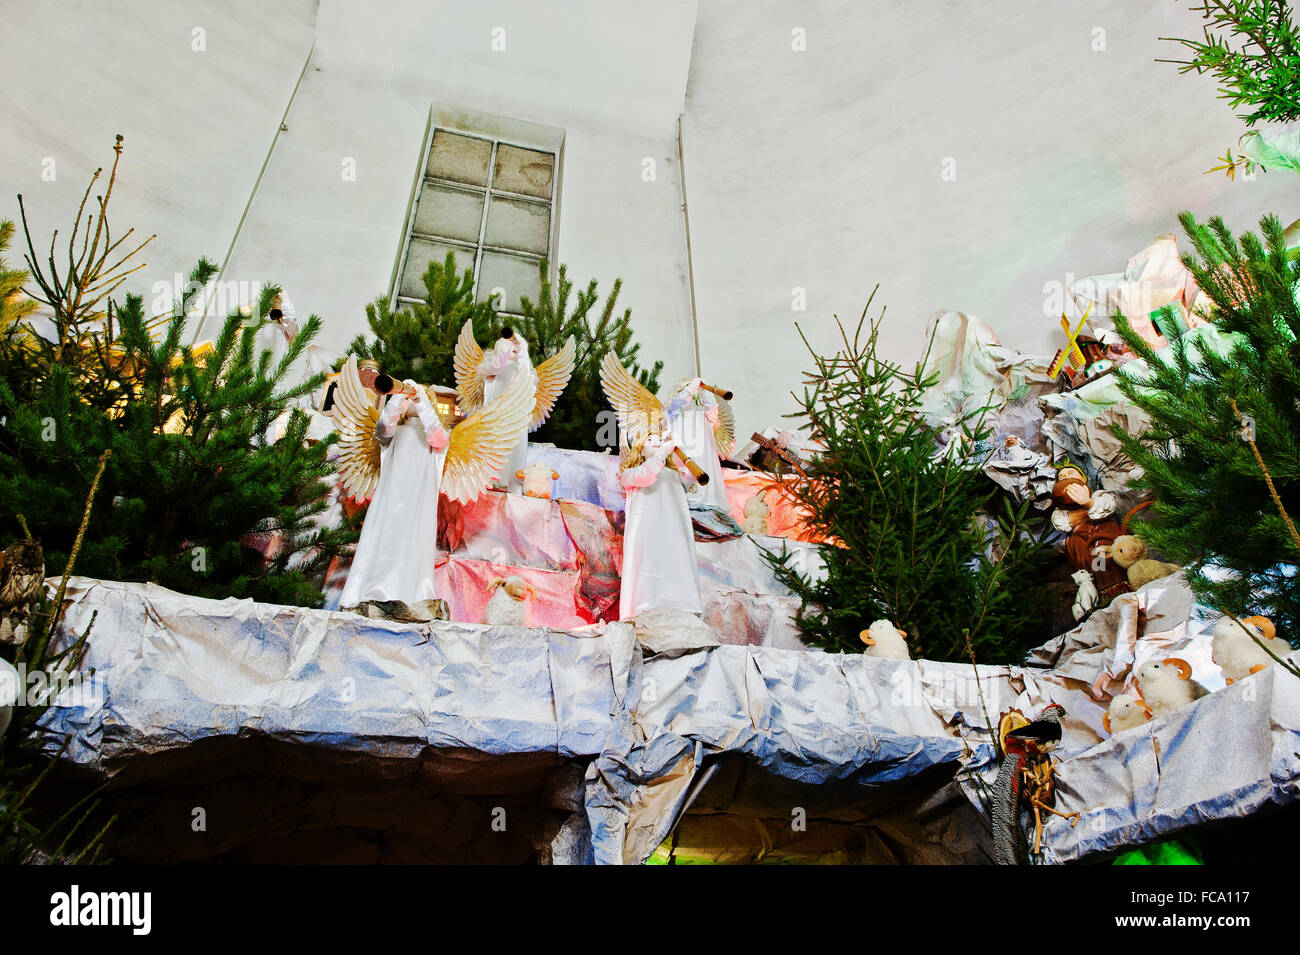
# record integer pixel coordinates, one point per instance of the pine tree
(419, 342)
(1215, 509)
(547, 323)
(911, 543)
(193, 492)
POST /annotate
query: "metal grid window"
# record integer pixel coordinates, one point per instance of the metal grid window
(489, 201)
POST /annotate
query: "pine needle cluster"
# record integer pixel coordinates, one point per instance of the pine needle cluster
(911, 536)
(194, 492)
(1214, 510)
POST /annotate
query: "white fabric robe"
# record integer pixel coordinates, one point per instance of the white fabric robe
(694, 435)
(660, 568)
(507, 360)
(395, 556)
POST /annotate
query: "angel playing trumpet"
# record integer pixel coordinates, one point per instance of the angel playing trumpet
(481, 377)
(660, 568)
(395, 450)
(704, 427)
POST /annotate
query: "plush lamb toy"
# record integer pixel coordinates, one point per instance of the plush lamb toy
(1167, 684)
(885, 640)
(1125, 713)
(1130, 553)
(508, 606)
(1237, 655)
(537, 480)
(756, 511)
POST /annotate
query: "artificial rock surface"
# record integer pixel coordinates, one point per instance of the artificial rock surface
(308, 735)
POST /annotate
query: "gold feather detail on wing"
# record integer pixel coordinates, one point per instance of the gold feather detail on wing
(637, 409)
(481, 443)
(552, 377)
(724, 432)
(357, 416)
(468, 363)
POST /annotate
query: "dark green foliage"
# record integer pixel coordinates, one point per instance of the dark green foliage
(419, 342)
(190, 486)
(192, 489)
(1212, 503)
(596, 331)
(1252, 48)
(916, 549)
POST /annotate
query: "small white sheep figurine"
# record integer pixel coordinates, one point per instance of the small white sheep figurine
(1167, 684)
(1087, 595)
(1125, 712)
(508, 605)
(885, 640)
(537, 480)
(756, 511)
(1237, 655)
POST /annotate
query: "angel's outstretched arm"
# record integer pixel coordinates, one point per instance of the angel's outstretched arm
(643, 475)
(386, 427)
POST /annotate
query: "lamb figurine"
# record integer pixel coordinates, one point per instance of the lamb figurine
(1167, 684)
(508, 605)
(756, 512)
(537, 480)
(1237, 655)
(885, 640)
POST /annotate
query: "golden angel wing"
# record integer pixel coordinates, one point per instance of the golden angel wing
(357, 416)
(467, 362)
(552, 377)
(724, 432)
(637, 409)
(480, 444)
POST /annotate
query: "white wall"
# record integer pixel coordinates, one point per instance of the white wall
(612, 76)
(818, 170)
(198, 123)
(821, 169)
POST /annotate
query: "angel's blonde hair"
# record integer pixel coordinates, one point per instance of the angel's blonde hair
(632, 454)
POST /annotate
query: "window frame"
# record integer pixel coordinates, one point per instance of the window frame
(422, 178)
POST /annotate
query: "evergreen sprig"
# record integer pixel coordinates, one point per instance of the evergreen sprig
(194, 496)
(1213, 508)
(909, 538)
(597, 330)
(1252, 48)
(419, 341)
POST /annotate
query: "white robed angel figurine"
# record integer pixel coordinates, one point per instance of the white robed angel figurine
(704, 428)
(660, 568)
(481, 377)
(404, 456)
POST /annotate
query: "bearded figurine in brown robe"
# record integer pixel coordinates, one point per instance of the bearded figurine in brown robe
(1087, 518)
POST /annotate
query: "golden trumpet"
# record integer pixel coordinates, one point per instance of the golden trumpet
(696, 471)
